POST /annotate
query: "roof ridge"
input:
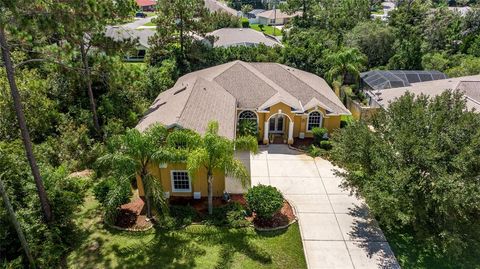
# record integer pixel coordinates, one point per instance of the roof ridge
(188, 99)
(269, 82)
(315, 90)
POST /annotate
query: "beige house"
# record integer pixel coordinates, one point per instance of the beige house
(275, 17)
(284, 102)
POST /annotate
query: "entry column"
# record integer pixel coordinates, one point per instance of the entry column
(290, 132)
(266, 127)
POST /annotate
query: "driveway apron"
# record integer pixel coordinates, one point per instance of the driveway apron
(336, 228)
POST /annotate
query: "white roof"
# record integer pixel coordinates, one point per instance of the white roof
(227, 37)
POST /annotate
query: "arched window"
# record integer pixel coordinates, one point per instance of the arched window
(247, 115)
(314, 120)
(247, 123)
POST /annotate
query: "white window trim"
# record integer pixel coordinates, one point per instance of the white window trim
(241, 111)
(308, 120)
(173, 185)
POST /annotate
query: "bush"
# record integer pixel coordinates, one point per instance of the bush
(318, 135)
(326, 145)
(232, 214)
(245, 23)
(183, 215)
(247, 128)
(264, 200)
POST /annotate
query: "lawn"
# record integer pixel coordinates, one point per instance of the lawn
(266, 29)
(197, 246)
(150, 24)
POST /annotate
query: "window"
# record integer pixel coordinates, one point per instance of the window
(247, 115)
(181, 181)
(314, 120)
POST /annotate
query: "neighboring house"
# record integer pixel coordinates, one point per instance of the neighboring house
(375, 81)
(275, 17)
(140, 37)
(469, 86)
(216, 6)
(284, 102)
(252, 15)
(227, 37)
(146, 5)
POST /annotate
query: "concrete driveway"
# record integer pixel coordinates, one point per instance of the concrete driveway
(336, 228)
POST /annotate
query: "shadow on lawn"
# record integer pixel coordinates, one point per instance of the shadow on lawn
(231, 241)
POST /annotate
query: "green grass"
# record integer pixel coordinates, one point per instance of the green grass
(197, 246)
(150, 24)
(266, 29)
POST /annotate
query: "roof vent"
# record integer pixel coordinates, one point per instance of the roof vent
(179, 91)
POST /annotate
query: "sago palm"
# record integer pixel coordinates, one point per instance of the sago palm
(216, 154)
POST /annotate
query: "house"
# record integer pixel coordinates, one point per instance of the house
(139, 36)
(275, 17)
(469, 86)
(283, 102)
(216, 6)
(227, 37)
(146, 5)
(252, 15)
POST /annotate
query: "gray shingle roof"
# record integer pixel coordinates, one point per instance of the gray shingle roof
(121, 33)
(216, 93)
(227, 37)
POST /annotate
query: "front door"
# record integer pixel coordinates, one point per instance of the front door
(277, 123)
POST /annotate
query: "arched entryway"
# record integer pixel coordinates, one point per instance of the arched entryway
(278, 129)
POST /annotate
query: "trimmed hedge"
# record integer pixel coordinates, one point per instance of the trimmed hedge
(264, 200)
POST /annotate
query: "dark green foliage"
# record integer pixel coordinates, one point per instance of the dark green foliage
(326, 145)
(105, 186)
(233, 215)
(219, 20)
(245, 23)
(418, 172)
(182, 215)
(318, 135)
(264, 200)
(247, 128)
(49, 243)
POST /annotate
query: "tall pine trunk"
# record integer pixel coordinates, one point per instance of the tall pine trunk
(210, 193)
(88, 79)
(42, 194)
(16, 224)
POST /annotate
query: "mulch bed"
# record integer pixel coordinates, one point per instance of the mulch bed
(281, 219)
(132, 216)
(302, 143)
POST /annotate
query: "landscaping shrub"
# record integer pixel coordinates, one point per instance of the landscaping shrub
(100, 191)
(232, 214)
(182, 215)
(326, 145)
(245, 23)
(318, 135)
(264, 200)
(247, 128)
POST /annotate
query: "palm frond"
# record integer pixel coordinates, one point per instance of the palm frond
(249, 143)
(154, 190)
(237, 170)
(197, 159)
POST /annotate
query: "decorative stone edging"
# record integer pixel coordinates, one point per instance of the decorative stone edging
(128, 229)
(280, 227)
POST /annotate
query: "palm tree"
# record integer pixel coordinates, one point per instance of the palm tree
(345, 61)
(130, 155)
(7, 61)
(216, 153)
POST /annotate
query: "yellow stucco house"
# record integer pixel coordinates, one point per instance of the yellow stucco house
(286, 103)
